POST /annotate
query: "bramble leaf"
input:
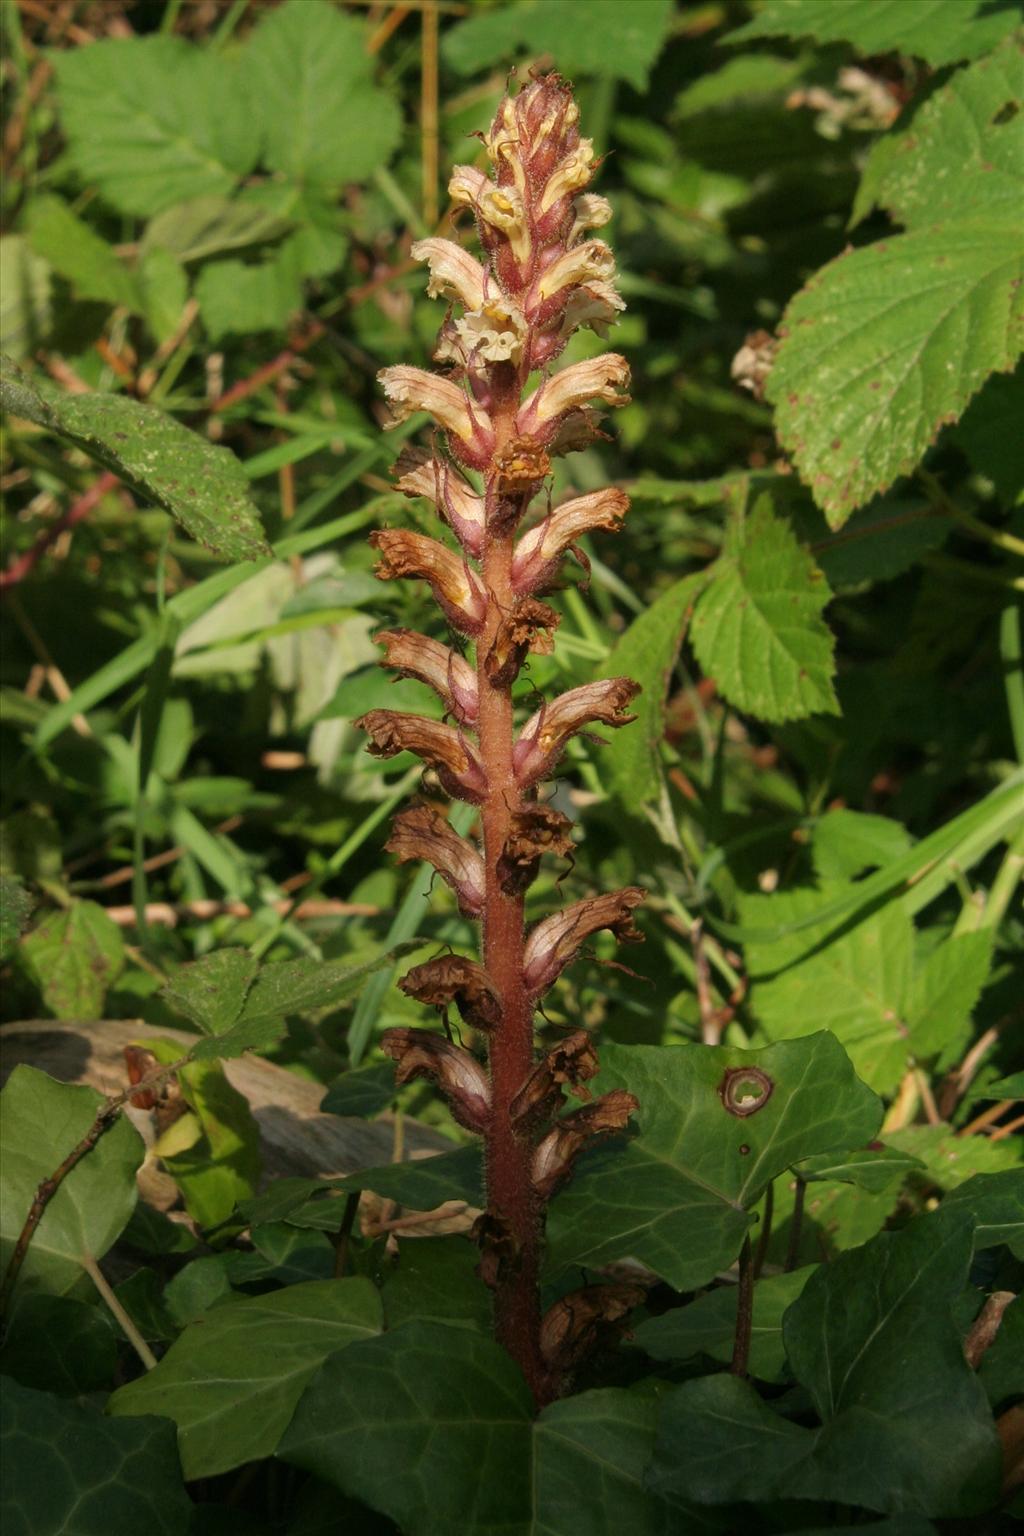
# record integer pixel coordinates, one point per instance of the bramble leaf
(757, 627)
(932, 30)
(620, 41)
(73, 956)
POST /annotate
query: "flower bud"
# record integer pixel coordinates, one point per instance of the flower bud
(539, 552)
(555, 1155)
(542, 739)
(458, 1074)
(428, 661)
(454, 979)
(555, 941)
(456, 587)
(445, 749)
(421, 832)
(422, 474)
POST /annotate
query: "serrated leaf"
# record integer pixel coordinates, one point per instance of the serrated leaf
(946, 989)
(433, 1426)
(950, 1159)
(647, 652)
(963, 155)
(203, 486)
(905, 1425)
(70, 1469)
(933, 30)
(612, 40)
(310, 82)
(707, 1325)
(77, 252)
(888, 343)
(208, 226)
(42, 1121)
(16, 905)
(680, 1195)
(211, 991)
(846, 843)
(231, 1381)
(153, 121)
(73, 956)
(757, 627)
(212, 1152)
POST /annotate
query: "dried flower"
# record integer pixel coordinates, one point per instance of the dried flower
(555, 941)
(455, 979)
(423, 474)
(533, 831)
(458, 1074)
(539, 552)
(455, 585)
(437, 665)
(444, 748)
(421, 832)
(542, 739)
(554, 1158)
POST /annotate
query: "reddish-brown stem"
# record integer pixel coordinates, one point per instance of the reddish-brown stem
(24, 564)
(509, 1155)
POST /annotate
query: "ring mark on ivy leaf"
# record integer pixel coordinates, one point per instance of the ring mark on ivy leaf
(745, 1090)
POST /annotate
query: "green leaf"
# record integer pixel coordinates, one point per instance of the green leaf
(15, 910)
(426, 1183)
(707, 1326)
(584, 36)
(846, 843)
(679, 1196)
(875, 1169)
(757, 629)
(888, 343)
(58, 1344)
(432, 1425)
(738, 83)
(932, 30)
(71, 1471)
(210, 225)
(647, 652)
(77, 252)
(962, 156)
(25, 313)
(204, 487)
(995, 1202)
(905, 1424)
(153, 121)
(364, 1091)
(882, 540)
(1011, 1087)
(73, 956)
(1001, 1372)
(946, 989)
(42, 1121)
(858, 986)
(950, 1159)
(213, 1153)
(211, 991)
(311, 89)
(988, 434)
(435, 1280)
(231, 1381)
(164, 289)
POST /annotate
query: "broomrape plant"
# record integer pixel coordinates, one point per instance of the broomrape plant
(542, 278)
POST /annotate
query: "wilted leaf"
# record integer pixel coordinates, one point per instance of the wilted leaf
(231, 1381)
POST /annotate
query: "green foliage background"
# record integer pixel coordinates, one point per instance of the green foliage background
(208, 210)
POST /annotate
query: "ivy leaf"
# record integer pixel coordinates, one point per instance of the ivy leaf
(619, 41)
(647, 652)
(426, 1183)
(888, 343)
(153, 121)
(757, 628)
(58, 1344)
(679, 1196)
(932, 30)
(875, 1168)
(310, 82)
(73, 956)
(905, 1424)
(434, 1280)
(995, 1201)
(204, 487)
(363, 1091)
(42, 1121)
(950, 1159)
(69, 1468)
(707, 1326)
(232, 1379)
(433, 1426)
